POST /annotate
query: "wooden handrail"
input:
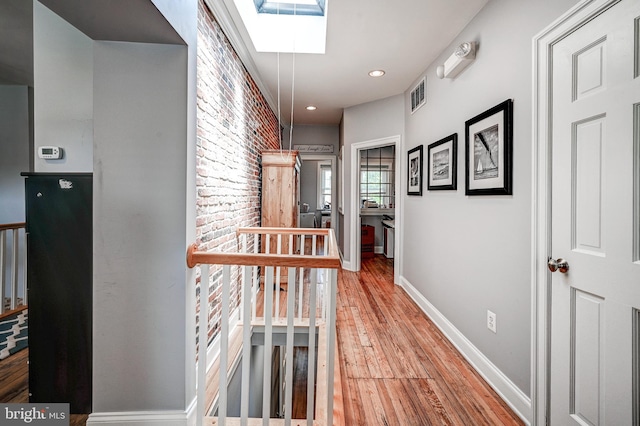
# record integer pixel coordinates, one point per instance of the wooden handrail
(18, 225)
(285, 231)
(329, 233)
(330, 260)
(195, 257)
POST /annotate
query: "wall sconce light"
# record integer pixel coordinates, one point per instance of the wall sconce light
(462, 56)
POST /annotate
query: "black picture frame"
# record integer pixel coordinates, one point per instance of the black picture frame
(442, 164)
(489, 151)
(414, 177)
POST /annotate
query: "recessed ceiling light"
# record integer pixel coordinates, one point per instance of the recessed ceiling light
(376, 73)
(311, 108)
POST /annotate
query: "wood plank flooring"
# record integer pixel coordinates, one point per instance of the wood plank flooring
(14, 383)
(397, 367)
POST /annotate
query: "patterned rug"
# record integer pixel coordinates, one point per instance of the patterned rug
(13, 333)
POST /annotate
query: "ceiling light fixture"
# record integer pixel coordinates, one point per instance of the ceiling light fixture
(311, 108)
(376, 73)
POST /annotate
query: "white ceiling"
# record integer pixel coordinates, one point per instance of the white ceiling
(403, 37)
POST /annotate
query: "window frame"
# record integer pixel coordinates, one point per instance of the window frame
(291, 7)
(386, 165)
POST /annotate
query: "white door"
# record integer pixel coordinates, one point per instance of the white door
(594, 305)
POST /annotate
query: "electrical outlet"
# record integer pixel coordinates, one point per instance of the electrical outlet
(491, 321)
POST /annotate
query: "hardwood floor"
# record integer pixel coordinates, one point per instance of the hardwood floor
(397, 368)
(13, 377)
(14, 383)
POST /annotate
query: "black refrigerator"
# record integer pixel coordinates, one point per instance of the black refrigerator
(60, 287)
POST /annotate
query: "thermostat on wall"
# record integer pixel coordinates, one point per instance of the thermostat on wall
(50, 152)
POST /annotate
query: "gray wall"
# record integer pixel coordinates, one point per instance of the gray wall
(14, 158)
(183, 17)
(309, 184)
(63, 81)
(140, 164)
(314, 135)
(361, 123)
(469, 254)
(14, 151)
(134, 127)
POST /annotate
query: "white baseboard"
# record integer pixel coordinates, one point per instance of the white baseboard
(346, 264)
(508, 391)
(141, 418)
(150, 418)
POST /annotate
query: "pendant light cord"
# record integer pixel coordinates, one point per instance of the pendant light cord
(279, 113)
(293, 74)
(293, 85)
(278, 72)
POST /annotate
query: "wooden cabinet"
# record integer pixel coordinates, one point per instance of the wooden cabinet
(280, 198)
(280, 189)
(367, 241)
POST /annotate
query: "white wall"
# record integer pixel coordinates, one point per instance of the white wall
(361, 123)
(14, 151)
(468, 254)
(63, 83)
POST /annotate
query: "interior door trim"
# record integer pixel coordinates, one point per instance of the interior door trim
(543, 43)
(354, 243)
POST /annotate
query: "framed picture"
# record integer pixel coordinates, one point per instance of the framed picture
(414, 183)
(488, 159)
(442, 161)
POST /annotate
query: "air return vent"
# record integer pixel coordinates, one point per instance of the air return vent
(418, 97)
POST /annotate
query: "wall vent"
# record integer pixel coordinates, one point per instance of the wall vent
(418, 97)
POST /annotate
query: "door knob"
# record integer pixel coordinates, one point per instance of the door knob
(558, 265)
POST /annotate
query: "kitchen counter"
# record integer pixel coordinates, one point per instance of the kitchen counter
(376, 212)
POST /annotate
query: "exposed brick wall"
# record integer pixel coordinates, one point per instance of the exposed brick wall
(235, 123)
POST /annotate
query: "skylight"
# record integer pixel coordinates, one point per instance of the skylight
(293, 7)
(270, 31)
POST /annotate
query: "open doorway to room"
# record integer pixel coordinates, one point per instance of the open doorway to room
(375, 177)
(318, 193)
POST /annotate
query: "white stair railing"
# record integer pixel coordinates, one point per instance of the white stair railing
(13, 269)
(310, 278)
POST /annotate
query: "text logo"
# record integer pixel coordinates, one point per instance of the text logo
(34, 414)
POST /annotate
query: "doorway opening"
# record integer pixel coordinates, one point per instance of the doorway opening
(318, 191)
(375, 200)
